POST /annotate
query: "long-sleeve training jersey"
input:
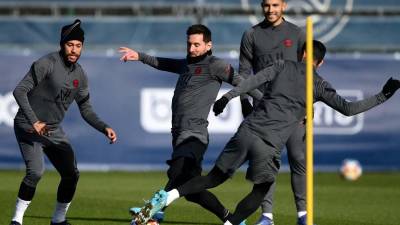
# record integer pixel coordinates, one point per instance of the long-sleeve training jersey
(47, 91)
(283, 104)
(195, 91)
(263, 44)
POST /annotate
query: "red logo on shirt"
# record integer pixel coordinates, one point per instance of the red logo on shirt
(288, 43)
(197, 71)
(228, 70)
(75, 83)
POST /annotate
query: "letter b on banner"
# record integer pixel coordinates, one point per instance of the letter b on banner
(155, 112)
(8, 109)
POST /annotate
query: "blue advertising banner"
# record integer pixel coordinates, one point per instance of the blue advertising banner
(135, 100)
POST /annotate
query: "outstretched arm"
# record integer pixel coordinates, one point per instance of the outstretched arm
(165, 64)
(225, 72)
(251, 83)
(328, 95)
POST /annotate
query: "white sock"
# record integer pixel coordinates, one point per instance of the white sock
(172, 196)
(20, 208)
(269, 215)
(227, 223)
(301, 213)
(60, 212)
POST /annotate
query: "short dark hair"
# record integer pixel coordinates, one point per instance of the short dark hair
(319, 50)
(200, 29)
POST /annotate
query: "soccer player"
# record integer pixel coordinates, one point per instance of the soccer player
(44, 95)
(276, 39)
(262, 135)
(200, 78)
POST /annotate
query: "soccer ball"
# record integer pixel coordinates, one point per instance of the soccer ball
(351, 169)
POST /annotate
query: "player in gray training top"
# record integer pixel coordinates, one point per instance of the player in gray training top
(262, 135)
(201, 75)
(276, 39)
(44, 95)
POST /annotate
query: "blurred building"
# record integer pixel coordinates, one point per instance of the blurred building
(159, 25)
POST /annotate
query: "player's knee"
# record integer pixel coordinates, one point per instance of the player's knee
(191, 168)
(262, 189)
(298, 166)
(75, 176)
(33, 177)
(173, 173)
(175, 168)
(71, 178)
(216, 177)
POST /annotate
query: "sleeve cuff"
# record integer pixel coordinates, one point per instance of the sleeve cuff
(381, 97)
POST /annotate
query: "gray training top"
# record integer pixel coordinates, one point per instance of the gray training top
(195, 92)
(264, 44)
(47, 91)
(283, 105)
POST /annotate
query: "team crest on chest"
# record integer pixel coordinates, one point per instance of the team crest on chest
(288, 43)
(228, 69)
(197, 71)
(75, 83)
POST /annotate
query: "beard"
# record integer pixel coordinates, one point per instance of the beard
(72, 58)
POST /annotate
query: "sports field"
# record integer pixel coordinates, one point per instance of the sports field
(103, 198)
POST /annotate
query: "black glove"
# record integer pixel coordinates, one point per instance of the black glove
(220, 105)
(247, 108)
(390, 87)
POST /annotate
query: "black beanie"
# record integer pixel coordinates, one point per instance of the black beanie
(72, 32)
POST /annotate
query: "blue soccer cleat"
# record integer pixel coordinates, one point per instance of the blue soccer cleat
(14, 223)
(156, 204)
(243, 222)
(264, 221)
(159, 216)
(302, 220)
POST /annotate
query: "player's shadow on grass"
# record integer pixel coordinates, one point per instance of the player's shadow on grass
(120, 220)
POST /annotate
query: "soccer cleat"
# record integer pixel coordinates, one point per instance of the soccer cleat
(243, 222)
(14, 223)
(264, 221)
(159, 216)
(156, 204)
(65, 222)
(302, 220)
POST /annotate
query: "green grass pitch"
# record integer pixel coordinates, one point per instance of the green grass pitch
(103, 198)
